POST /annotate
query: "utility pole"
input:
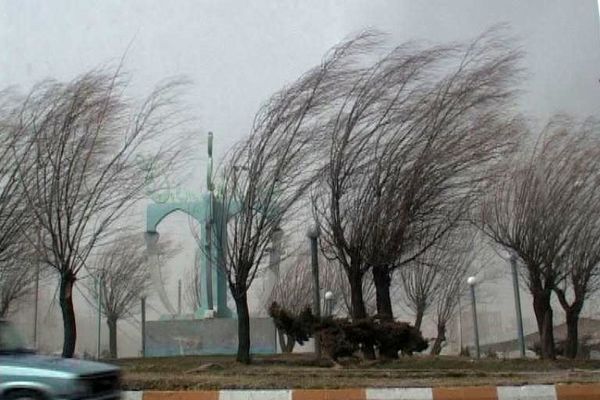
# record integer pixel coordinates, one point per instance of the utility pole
(472, 281)
(179, 298)
(313, 235)
(143, 326)
(35, 304)
(460, 328)
(515, 278)
(99, 283)
(37, 290)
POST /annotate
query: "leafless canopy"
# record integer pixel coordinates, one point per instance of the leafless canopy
(121, 276)
(123, 271)
(87, 157)
(266, 175)
(414, 143)
(191, 289)
(546, 211)
(437, 278)
(17, 276)
(16, 254)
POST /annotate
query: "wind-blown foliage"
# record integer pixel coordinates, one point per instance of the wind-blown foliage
(80, 168)
(546, 211)
(412, 147)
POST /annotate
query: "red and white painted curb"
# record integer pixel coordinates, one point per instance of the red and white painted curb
(528, 392)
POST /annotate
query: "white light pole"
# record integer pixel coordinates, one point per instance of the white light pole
(328, 303)
(313, 235)
(460, 326)
(99, 283)
(472, 281)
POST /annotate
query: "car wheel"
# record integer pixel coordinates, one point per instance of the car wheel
(24, 395)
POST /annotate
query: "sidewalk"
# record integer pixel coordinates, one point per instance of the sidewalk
(528, 392)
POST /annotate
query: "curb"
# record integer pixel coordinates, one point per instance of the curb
(528, 392)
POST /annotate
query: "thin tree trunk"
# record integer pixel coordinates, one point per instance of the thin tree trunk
(436, 349)
(291, 343)
(383, 281)
(572, 312)
(112, 337)
(358, 306)
(243, 316)
(572, 343)
(358, 310)
(67, 280)
(3, 310)
(543, 315)
(286, 342)
(419, 318)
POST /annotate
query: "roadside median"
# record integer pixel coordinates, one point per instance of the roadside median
(525, 392)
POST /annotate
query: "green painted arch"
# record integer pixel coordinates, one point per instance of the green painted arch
(157, 212)
(213, 280)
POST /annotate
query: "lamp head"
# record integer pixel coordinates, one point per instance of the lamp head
(313, 232)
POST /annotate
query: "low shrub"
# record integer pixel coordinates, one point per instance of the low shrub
(341, 337)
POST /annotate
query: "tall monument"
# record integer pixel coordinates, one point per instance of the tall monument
(213, 328)
(213, 282)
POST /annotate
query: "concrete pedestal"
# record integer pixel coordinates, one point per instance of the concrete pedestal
(207, 336)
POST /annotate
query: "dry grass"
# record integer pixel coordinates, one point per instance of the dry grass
(301, 371)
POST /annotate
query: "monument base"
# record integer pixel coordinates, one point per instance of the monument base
(207, 337)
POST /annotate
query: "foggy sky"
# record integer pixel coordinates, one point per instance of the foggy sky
(237, 53)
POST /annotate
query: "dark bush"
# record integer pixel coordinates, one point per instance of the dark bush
(336, 342)
(341, 337)
(301, 327)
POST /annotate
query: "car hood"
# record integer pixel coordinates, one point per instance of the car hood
(67, 365)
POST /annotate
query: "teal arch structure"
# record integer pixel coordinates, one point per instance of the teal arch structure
(213, 281)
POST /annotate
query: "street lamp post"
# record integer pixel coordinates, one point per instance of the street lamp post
(515, 278)
(99, 322)
(313, 235)
(328, 303)
(460, 326)
(143, 326)
(472, 281)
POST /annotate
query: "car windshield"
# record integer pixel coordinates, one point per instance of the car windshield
(10, 340)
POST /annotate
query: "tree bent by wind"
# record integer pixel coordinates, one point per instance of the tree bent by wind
(264, 177)
(79, 169)
(545, 210)
(412, 147)
(121, 275)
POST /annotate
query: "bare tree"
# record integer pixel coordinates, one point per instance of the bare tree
(17, 279)
(264, 177)
(342, 291)
(419, 283)
(544, 210)
(294, 290)
(359, 161)
(81, 170)
(437, 278)
(582, 256)
(411, 149)
(122, 270)
(455, 268)
(16, 254)
(191, 291)
(582, 279)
